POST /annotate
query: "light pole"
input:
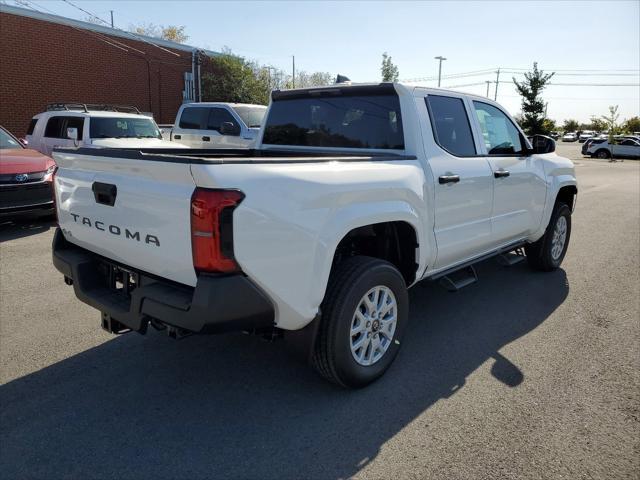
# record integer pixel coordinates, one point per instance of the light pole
(488, 83)
(441, 58)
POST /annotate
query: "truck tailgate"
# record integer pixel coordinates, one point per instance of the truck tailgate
(135, 212)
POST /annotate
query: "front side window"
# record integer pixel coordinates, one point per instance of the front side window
(74, 122)
(501, 137)
(217, 116)
(126, 127)
(330, 120)
(451, 125)
(194, 118)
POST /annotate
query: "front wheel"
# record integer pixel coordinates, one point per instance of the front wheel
(364, 315)
(548, 252)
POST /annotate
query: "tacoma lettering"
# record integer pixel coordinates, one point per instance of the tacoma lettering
(116, 230)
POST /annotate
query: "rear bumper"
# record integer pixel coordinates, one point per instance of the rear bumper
(216, 304)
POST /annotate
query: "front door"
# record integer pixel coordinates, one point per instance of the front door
(463, 183)
(519, 181)
(218, 139)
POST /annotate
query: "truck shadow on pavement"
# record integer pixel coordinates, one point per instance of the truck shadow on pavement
(236, 407)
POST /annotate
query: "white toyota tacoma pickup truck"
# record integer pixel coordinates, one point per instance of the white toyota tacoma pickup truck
(354, 194)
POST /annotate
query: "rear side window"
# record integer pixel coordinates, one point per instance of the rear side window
(450, 123)
(32, 126)
(501, 136)
(54, 127)
(359, 121)
(194, 118)
(216, 118)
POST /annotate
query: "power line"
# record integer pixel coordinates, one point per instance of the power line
(131, 34)
(102, 38)
(522, 71)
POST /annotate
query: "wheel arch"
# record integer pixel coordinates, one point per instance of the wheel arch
(395, 241)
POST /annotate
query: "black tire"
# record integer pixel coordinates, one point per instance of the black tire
(538, 253)
(348, 284)
(602, 153)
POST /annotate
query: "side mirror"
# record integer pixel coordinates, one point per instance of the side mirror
(72, 133)
(229, 128)
(542, 144)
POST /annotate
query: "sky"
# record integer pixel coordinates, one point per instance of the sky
(596, 43)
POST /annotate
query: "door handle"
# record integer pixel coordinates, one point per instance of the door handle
(501, 173)
(206, 139)
(442, 179)
(177, 137)
(104, 193)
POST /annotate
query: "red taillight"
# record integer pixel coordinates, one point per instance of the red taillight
(212, 229)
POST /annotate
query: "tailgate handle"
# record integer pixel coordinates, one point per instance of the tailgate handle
(206, 139)
(104, 193)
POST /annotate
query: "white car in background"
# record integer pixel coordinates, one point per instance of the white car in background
(586, 135)
(100, 126)
(217, 125)
(570, 137)
(626, 147)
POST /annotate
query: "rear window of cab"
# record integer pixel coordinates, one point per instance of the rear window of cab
(345, 121)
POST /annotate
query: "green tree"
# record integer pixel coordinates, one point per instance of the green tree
(597, 124)
(173, 33)
(570, 125)
(389, 70)
(230, 78)
(549, 125)
(532, 104)
(631, 125)
(315, 79)
(612, 121)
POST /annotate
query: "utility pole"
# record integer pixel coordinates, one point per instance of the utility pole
(111, 18)
(488, 82)
(441, 58)
(293, 77)
(495, 97)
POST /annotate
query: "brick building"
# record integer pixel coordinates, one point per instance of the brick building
(46, 58)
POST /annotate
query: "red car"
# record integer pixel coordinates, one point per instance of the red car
(25, 179)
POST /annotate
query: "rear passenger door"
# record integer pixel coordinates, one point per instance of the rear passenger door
(520, 189)
(463, 187)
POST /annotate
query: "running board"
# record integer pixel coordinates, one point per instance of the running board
(508, 259)
(455, 281)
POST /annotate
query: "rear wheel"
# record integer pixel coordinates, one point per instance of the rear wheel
(364, 315)
(602, 153)
(548, 252)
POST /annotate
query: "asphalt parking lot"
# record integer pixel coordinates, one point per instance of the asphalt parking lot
(522, 375)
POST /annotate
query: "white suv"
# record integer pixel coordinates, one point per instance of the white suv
(95, 126)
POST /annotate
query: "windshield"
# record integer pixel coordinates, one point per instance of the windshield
(251, 116)
(8, 141)
(126, 127)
